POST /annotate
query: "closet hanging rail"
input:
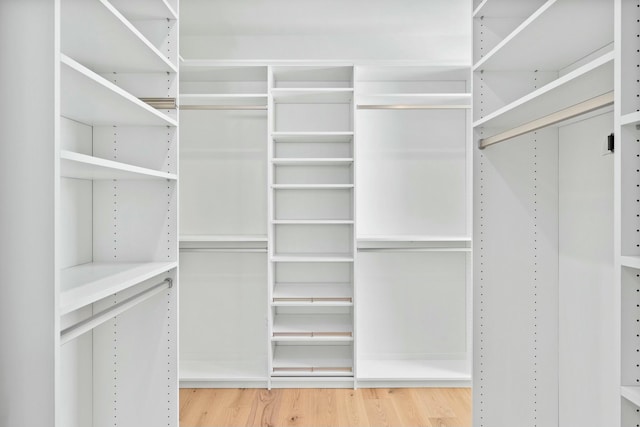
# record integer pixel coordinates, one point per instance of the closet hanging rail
(222, 107)
(411, 107)
(551, 119)
(99, 318)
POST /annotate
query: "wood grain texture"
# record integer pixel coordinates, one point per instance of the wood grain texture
(397, 407)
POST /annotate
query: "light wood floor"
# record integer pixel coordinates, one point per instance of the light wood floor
(428, 407)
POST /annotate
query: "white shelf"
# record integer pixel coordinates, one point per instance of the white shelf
(312, 161)
(632, 394)
(411, 72)
(630, 119)
(91, 99)
(630, 261)
(313, 221)
(222, 238)
(87, 283)
(544, 41)
(312, 96)
(506, 8)
(413, 370)
(462, 100)
(306, 324)
(311, 186)
(312, 136)
(313, 290)
(81, 166)
(212, 370)
(415, 238)
(217, 99)
(588, 81)
(301, 360)
(145, 9)
(96, 34)
(312, 258)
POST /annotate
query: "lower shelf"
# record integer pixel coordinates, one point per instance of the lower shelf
(313, 361)
(205, 370)
(414, 370)
(632, 394)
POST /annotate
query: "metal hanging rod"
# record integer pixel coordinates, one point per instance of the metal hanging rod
(223, 107)
(260, 250)
(414, 249)
(99, 318)
(411, 107)
(551, 119)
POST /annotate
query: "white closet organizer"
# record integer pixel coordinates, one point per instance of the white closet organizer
(117, 214)
(223, 227)
(543, 258)
(627, 116)
(413, 267)
(311, 225)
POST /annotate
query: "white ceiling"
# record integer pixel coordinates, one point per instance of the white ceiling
(309, 17)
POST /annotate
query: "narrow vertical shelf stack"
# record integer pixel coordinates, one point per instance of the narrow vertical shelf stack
(543, 80)
(627, 116)
(118, 165)
(413, 269)
(223, 241)
(311, 225)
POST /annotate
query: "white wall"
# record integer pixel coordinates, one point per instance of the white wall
(353, 30)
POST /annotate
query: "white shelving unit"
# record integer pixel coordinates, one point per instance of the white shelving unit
(543, 82)
(97, 301)
(224, 241)
(627, 181)
(311, 231)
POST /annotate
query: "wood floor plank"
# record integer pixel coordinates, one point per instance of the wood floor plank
(410, 407)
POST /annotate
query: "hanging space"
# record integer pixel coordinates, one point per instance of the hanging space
(543, 80)
(413, 268)
(223, 225)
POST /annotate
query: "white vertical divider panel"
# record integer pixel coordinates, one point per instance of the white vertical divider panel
(586, 322)
(354, 195)
(29, 193)
(270, 217)
(469, 168)
(516, 284)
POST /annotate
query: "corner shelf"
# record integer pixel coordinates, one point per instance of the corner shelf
(593, 79)
(81, 166)
(87, 283)
(631, 393)
(93, 100)
(98, 35)
(545, 42)
(146, 9)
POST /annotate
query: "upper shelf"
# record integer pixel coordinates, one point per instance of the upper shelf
(586, 82)
(236, 99)
(87, 283)
(546, 41)
(506, 8)
(146, 9)
(91, 99)
(312, 95)
(445, 100)
(81, 166)
(96, 34)
(338, 161)
(630, 119)
(312, 136)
